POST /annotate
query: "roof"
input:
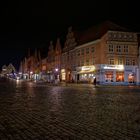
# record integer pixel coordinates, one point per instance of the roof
(97, 31)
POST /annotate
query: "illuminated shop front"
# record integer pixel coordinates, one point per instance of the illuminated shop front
(63, 75)
(86, 74)
(117, 74)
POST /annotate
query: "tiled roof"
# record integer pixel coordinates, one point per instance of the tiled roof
(97, 32)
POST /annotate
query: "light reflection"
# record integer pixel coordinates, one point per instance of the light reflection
(55, 98)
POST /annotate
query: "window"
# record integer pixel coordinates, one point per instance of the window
(131, 78)
(119, 76)
(125, 48)
(128, 62)
(78, 53)
(87, 50)
(120, 35)
(115, 35)
(82, 62)
(92, 49)
(111, 48)
(130, 36)
(93, 61)
(133, 62)
(87, 62)
(78, 63)
(111, 61)
(71, 56)
(74, 54)
(82, 52)
(120, 61)
(118, 48)
(109, 76)
(125, 36)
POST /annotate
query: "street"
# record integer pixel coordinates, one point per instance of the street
(69, 112)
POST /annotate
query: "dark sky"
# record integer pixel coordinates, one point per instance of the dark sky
(34, 23)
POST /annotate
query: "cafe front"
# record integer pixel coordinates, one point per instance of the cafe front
(85, 74)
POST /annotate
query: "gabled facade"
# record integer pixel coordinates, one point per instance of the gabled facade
(50, 58)
(67, 60)
(30, 67)
(57, 56)
(106, 52)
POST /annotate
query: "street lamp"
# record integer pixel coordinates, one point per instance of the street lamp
(31, 73)
(56, 69)
(56, 74)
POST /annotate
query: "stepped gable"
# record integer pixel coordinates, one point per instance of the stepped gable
(98, 31)
(71, 39)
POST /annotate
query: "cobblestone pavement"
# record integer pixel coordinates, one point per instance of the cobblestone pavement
(42, 112)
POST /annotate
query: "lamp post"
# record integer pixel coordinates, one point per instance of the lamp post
(31, 74)
(56, 69)
(56, 75)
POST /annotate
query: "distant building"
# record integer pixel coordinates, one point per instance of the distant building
(30, 67)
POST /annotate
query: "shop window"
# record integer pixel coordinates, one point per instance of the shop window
(119, 77)
(131, 78)
(109, 76)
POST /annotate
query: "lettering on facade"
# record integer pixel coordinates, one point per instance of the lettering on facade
(117, 67)
(88, 68)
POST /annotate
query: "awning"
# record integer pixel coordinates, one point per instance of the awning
(85, 72)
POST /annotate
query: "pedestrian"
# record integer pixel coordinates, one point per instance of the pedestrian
(94, 82)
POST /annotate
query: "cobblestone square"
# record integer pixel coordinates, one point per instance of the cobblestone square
(68, 112)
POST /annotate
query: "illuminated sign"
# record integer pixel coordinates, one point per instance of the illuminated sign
(62, 70)
(116, 67)
(88, 68)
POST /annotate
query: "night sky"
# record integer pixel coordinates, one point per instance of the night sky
(32, 24)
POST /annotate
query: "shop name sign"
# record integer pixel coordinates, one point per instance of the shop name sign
(88, 68)
(115, 67)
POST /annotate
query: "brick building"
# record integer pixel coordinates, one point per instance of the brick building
(106, 52)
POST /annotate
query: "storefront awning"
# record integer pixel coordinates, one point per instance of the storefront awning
(85, 72)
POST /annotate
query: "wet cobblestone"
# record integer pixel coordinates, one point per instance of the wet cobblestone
(68, 112)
